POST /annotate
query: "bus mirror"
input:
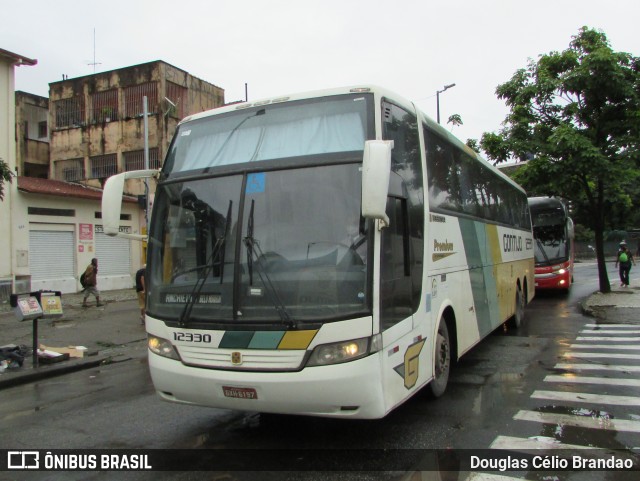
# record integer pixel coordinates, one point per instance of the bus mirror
(376, 171)
(112, 200)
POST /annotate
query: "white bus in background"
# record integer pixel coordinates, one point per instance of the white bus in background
(327, 254)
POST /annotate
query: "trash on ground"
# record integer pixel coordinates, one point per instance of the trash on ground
(72, 351)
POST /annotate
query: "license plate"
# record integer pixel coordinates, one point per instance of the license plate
(240, 392)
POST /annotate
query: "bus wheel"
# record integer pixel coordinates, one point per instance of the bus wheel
(442, 363)
(518, 316)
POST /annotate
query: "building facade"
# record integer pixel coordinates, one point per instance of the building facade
(94, 128)
(8, 62)
(97, 122)
(32, 135)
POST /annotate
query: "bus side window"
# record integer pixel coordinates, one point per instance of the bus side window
(395, 269)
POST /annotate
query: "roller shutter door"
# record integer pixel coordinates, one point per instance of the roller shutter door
(114, 255)
(51, 255)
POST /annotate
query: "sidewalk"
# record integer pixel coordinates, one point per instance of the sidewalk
(111, 333)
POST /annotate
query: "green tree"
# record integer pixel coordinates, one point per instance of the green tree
(473, 145)
(575, 116)
(455, 120)
(5, 176)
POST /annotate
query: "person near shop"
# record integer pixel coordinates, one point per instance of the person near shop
(89, 281)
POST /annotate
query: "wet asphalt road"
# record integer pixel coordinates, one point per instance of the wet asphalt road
(115, 407)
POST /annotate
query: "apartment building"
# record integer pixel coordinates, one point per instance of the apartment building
(97, 123)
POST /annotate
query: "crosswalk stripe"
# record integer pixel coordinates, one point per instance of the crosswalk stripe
(630, 347)
(608, 338)
(491, 477)
(524, 444)
(597, 331)
(583, 355)
(593, 380)
(583, 397)
(610, 326)
(597, 367)
(588, 422)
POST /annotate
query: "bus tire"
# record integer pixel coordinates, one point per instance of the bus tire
(518, 316)
(442, 362)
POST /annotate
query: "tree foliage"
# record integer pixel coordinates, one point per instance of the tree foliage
(5, 176)
(455, 120)
(575, 116)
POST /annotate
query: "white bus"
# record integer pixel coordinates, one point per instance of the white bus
(326, 254)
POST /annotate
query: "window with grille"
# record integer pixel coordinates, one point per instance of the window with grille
(134, 160)
(178, 97)
(69, 112)
(103, 166)
(133, 99)
(104, 106)
(70, 170)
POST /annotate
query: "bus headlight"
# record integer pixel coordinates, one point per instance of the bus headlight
(162, 347)
(561, 271)
(339, 352)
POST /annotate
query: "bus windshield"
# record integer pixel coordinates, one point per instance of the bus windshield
(551, 237)
(280, 246)
(276, 131)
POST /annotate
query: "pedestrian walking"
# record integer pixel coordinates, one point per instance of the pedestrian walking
(91, 283)
(624, 259)
(141, 290)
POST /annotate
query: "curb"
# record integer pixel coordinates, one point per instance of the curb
(9, 379)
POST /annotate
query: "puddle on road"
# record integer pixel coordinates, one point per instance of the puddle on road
(603, 437)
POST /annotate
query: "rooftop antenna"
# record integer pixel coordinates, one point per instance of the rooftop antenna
(94, 52)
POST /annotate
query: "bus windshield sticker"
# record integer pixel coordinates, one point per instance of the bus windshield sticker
(185, 133)
(255, 183)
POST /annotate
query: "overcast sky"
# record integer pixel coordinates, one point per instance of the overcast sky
(413, 47)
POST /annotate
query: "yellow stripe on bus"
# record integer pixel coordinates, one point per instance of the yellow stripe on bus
(297, 339)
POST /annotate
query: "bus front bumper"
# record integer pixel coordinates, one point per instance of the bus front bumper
(349, 390)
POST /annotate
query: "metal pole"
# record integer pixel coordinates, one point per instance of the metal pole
(438, 92)
(35, 343)
(145, 110)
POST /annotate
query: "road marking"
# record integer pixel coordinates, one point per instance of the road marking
(631, 347)
(608, 338)
(490, 477)
(601, 355)
(597, 367)
(596, 331)
(539, 442)
(589, 422)
(593, 380)
(608, 326)
(583, 397)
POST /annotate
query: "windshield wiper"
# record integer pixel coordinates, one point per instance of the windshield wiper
(253, 248)
(541, 247)
(217, 254)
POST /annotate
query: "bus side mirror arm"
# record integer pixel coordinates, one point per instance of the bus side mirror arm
(112, 201)
(376, 172)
